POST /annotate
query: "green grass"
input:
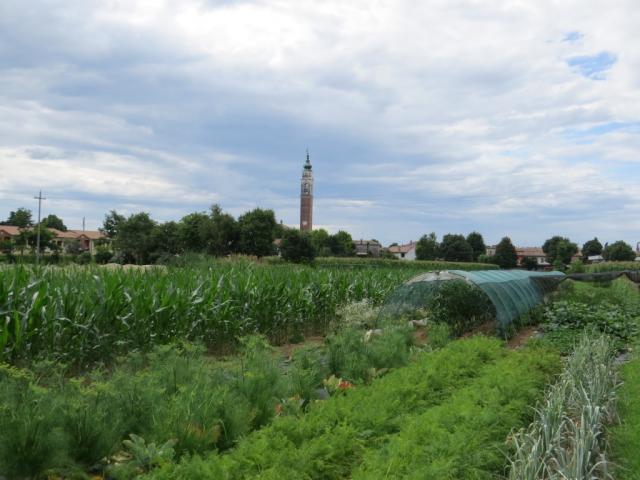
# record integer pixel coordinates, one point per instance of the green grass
(625, 438)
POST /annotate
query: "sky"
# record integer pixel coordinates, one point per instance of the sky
(517, 118)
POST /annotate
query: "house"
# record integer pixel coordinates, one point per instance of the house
(404, 252)
(87, 239)
(532, 252)
(366, 248)
(8, 232)
(595, 259)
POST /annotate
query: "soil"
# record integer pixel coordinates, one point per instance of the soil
(522, 336)
(486, 328)
(287, 349)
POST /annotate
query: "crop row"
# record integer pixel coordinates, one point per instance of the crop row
(444, 416)
(81, 315)
(625, 437)
(423, 265)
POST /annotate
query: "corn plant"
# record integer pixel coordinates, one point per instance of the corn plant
(82, 315)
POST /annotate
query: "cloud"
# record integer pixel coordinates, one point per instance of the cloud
(444, 115)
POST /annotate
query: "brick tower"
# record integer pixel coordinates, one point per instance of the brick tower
(306, 197)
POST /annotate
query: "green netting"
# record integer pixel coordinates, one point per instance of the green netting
(512, 292)
(633, 275)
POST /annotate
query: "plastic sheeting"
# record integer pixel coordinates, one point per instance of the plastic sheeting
(512, 292)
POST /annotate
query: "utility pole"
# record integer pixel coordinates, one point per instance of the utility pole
(83, 223)
(39, 198)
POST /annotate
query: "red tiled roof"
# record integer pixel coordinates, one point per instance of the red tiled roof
(10, 230)
(69, 234)
(402, 248)
(530, 252)
(90, 234)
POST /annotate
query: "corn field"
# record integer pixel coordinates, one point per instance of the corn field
(85, 315)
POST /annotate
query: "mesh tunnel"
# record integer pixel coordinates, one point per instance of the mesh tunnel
(512, 292)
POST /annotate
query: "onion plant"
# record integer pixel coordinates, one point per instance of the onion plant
(566, 439)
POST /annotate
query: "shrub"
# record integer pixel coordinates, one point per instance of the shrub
(103, 255)
(83, 259)
(461, 306)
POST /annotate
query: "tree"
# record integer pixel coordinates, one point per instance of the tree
(221, 233)
(559, 248)
(320, 242)
(6, 247)
(619, 251)
(477, 244)
(506, 256)
(53, 221)
(454, 248)
(257, 232)
(111, 223)
(30, 237)
(297, 247)
(427, 247)
(20, 218)
(165, 240)
(134, 239)
(341, 244)
(193, 231)
(530, 263)
(591, 247)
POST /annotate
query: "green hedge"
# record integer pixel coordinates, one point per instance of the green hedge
(612, 267)
(356, 262)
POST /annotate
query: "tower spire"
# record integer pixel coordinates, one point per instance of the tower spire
(306, 196)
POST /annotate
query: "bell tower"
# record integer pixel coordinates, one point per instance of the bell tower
(306, 197)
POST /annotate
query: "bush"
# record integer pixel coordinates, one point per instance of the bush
(297, 247)
(461, 306)
(83, 259)
(103, 255)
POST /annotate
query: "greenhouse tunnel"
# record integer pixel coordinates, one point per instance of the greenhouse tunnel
(512, 292)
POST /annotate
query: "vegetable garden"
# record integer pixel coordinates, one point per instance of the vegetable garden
(120, 374)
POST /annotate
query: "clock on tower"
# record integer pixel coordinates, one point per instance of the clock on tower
(306, 197)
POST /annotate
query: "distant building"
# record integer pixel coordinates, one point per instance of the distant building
(366, 248)
(595, 259)
(532, 252)
(86, 238)
(404, 252)
(306, 197)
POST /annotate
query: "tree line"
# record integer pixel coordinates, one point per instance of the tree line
(559, 251)
(139, 239)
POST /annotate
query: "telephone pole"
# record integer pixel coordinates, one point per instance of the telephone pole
(39, 198)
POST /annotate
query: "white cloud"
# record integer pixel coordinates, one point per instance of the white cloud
(469, 109)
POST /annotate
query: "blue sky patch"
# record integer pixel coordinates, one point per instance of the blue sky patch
(593, 66)
(573, 36)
